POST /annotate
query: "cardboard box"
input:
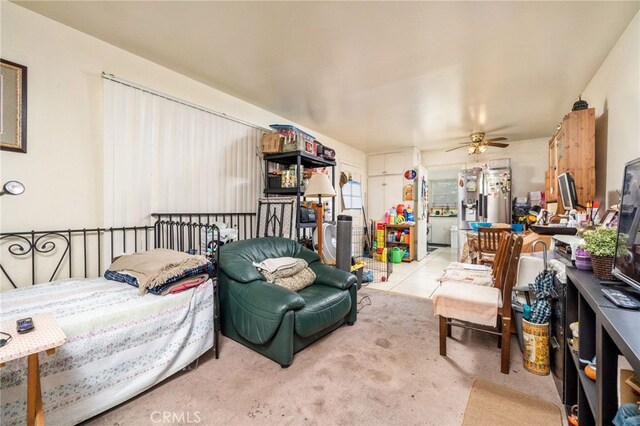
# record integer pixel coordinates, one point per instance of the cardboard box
(271, 143)
(626, 392)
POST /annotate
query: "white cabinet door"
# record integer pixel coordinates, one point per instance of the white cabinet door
(383, 193)
(375, 198)
(386, 164)
(376, 165)
(394, 163)
(393, 191)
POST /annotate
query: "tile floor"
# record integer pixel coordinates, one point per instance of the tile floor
(418, 278)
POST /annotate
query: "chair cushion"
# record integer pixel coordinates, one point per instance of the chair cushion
(323, 307)
(468, 276)
(467, 302)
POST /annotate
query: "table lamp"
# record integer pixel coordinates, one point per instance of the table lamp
(319, 186)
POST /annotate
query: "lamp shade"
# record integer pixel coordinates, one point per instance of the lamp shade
(319, 186)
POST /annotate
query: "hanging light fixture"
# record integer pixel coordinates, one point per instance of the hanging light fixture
(471, 150)
(482, 148)
(12, 187)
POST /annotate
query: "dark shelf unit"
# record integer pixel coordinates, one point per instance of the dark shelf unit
(298, 158)
(605, 332)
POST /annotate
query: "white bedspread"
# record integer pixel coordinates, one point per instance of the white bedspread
(118, 344)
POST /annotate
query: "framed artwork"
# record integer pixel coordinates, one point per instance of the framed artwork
(609, 218)
(13, 106)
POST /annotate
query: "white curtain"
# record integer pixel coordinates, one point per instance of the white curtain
(163, 156)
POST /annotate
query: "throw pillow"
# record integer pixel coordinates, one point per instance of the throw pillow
(297, 282)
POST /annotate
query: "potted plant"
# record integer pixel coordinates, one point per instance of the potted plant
(601, 246)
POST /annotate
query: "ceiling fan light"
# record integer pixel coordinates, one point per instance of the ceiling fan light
(482, 148)
(471, 150)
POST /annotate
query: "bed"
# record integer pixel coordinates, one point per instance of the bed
(119, 342)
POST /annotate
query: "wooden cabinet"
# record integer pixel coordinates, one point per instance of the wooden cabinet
(572, 150)
(407, 243)
(384, 192)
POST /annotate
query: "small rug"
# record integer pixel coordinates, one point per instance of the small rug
(494, 405)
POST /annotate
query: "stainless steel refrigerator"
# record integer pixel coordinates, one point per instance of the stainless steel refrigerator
(484, 195)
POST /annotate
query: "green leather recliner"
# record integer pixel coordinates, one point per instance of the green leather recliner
(273, 320)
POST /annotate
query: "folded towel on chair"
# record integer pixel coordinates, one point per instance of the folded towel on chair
(467, 302)
(276, 264)
(471, 277)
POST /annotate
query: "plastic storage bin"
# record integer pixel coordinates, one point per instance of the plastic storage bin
(294, 139)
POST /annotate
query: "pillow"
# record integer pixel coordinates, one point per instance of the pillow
(298, 281)
(275, 264)
(298, 266)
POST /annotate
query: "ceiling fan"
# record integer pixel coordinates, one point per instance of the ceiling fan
(479, 144)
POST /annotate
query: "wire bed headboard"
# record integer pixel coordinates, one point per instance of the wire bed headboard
(43, 256)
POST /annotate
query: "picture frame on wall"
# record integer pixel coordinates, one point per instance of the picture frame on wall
(13, 106)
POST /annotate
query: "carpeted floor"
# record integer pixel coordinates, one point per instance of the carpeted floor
(493, 405)
(384, 370)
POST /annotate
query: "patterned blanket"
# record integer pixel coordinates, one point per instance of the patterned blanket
(118, 344)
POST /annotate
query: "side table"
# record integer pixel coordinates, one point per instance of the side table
(46, 337)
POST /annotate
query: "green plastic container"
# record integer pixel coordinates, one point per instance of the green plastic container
(396, 254)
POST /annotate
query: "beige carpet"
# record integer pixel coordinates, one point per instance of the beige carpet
(385, 370)
(493, 405)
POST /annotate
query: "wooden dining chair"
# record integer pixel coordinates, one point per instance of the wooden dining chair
(488, 242)
(469, 305)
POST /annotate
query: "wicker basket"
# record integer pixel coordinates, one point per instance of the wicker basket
(602, 267)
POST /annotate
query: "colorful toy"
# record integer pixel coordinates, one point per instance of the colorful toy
(408, 214)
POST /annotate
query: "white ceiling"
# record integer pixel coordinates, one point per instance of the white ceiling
(375, 74)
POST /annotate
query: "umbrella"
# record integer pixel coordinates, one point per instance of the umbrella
(541, 287)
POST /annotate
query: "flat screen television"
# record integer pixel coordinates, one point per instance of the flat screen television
(626, 263)
(567, 189)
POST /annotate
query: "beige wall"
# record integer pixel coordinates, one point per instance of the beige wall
(62, 169)
(614, 91)
(529, 160)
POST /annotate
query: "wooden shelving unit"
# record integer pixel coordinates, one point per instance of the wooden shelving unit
(409, 246)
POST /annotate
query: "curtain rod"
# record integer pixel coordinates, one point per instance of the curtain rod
(137, 86)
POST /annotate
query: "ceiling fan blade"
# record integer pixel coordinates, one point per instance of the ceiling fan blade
(501, 138)
(453, 149)
(498, 145)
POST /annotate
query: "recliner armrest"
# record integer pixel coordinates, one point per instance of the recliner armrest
(262, 297)
(256, 309)
(332, 277)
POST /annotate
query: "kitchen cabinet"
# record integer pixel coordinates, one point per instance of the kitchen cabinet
(441, 229)
(386, 164)
(384, 192)
(572, 150)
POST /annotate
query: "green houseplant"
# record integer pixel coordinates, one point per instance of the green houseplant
(601, 246)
